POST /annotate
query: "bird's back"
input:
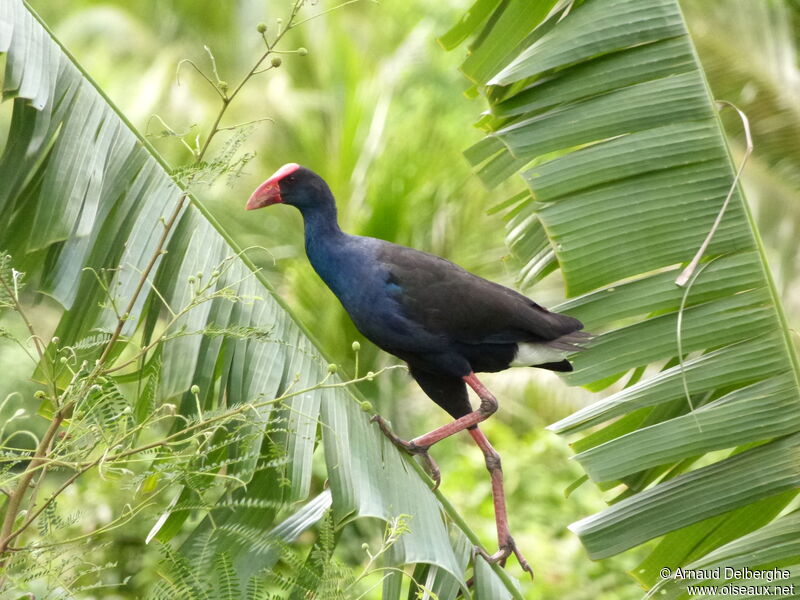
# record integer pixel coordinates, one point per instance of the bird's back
(449, 300)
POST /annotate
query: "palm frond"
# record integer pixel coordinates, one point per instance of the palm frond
(605, 112)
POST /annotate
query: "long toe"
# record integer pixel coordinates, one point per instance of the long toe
(502, 555)
(522, 562)
(411, 448)
(433, 469)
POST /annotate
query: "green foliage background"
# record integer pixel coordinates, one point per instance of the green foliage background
(375, 109)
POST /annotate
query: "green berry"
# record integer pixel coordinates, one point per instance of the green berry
(276, 61)
(195, 389)
(366, 406)
(261, 28)
(356, 346)
(302, 51)
(332, 368)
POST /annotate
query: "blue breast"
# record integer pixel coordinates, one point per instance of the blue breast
(350, 267)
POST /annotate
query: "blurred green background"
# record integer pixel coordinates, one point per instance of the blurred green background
(378, 109)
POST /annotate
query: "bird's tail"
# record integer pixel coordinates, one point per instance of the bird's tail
(571, 342)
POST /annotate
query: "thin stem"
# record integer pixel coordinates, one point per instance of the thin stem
(679, 340)
(15, 500)
(32, 517)
(115, 524)
(37, 342)
(687, 272)
(325, 12)
(241, 409)
(40, 479)
(226, 100)
(203, 75)
(214, 128)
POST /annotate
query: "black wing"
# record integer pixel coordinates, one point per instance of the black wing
(448, 300)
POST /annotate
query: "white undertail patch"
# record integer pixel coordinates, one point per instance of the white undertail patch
(530, 354)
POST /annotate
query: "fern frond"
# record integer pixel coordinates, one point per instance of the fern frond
(91, 342)
(227, 580)
(12, 281)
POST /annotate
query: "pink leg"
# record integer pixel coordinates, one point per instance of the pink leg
(487, 408)
(504, 540)
(420, 445)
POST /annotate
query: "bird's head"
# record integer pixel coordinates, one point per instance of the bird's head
(293, 185)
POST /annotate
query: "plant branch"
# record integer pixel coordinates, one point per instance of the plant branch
(32, 517)
(16, 497)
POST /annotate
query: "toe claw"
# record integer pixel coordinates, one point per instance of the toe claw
(432, 468)
(522, 562)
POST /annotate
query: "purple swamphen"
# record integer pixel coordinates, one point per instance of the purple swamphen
(445, 322)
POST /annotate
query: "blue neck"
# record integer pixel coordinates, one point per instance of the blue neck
(326, 244)
(320, 221)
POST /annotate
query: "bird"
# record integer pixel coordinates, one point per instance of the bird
(446, 323)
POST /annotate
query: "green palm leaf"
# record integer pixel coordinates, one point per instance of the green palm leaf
(767, 88)
(605, 112)
(83, 193)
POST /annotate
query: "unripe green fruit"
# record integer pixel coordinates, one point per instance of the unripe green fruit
(276, 61)
(302, 51)
(261, 28)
